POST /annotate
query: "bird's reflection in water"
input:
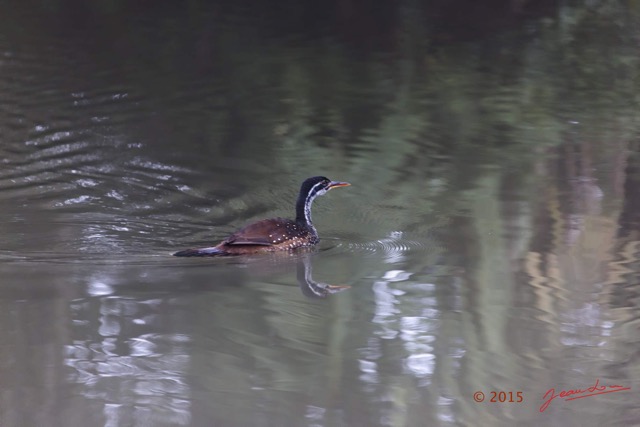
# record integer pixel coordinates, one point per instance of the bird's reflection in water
(243, 269)
(308, 286)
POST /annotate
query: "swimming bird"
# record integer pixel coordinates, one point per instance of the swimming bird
(275, 234)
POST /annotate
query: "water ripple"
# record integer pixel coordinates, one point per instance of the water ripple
(392, 248)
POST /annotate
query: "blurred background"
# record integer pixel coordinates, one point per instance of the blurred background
(490, 237)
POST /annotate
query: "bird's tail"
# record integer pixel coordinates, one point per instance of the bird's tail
(201, 252)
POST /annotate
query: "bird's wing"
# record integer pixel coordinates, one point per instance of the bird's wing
(266, 232)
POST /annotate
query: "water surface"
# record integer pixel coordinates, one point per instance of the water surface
(489, 240)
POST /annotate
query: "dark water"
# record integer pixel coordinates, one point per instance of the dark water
(490, 238)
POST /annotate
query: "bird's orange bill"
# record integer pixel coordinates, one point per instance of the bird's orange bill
(335, 184)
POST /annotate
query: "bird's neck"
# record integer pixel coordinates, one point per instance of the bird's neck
(303, 211)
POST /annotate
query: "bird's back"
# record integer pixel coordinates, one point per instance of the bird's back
(281, 233)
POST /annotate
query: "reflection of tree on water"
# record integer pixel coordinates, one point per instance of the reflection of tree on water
(129, 360)
(308, 286)
(131, 349)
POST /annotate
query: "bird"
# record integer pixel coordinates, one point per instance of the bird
(274, 234)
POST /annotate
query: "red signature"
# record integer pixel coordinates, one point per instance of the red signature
(579, 393)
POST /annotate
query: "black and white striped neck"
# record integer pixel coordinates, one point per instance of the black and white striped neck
(307, 195)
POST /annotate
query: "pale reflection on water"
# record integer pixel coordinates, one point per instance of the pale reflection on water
(137, 372)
